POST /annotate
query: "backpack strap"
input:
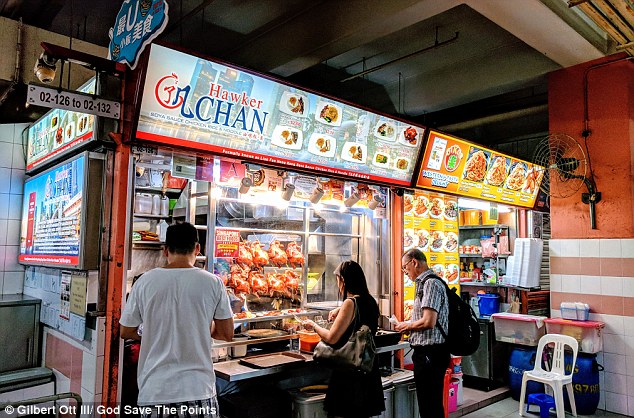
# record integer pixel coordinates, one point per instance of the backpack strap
(433, 276)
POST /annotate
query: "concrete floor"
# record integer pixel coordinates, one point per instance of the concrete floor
(499, 404)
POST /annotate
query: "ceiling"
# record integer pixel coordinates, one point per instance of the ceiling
(474, 68)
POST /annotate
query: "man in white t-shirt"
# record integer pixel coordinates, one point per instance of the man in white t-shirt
(181, 308)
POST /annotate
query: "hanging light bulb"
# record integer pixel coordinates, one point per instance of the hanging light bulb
(354, 198)
(287, 194)
(374, 202)
(317, 195)
(245, 185)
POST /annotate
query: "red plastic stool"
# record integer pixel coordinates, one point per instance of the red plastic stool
(545, 402)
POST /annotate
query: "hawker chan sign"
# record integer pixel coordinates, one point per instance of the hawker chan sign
(138, 23)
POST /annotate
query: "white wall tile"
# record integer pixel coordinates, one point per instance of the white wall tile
(6, 132)
(3, 231)
(555, 282)
(11, 258)
(13, 232)
(613, 323)
(99, 375)
(590, 285)
(628, 286)
(627, 248)
(616, 403)
(4, 205)
(15, 206)
(612, 286)
(615, 383)
(5, 180)
(17, 133)
(6, 155)
(570, 283)
(629, 364)
(554, 247)
(38, 391)
(613, 363)
(87, 397)
(2, 256)
(18, 157)
(614, 343)
(630, 406)
(610, 248)
(17, 181)
(570, 248)
(13, 283)
(89, 363)
(628, 345)
(628, 326)
(13, 396)
(588, 248)
(630, 386)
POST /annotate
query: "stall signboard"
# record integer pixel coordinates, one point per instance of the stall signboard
(51, 216)
(191, 102)
(430, 224)
(455, 166)
(59, 132)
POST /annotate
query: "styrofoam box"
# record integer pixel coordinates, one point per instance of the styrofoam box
(518, 329)
(587, 333)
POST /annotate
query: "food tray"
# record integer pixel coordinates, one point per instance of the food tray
(271, 360)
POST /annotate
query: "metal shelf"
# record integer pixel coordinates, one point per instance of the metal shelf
(150, 216)
(468, 227)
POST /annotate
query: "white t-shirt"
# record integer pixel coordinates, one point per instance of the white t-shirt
(176, 308)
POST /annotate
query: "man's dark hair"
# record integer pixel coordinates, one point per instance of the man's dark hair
(416, 254)
(181, 238)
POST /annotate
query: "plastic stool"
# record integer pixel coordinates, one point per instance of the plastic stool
(544, 401)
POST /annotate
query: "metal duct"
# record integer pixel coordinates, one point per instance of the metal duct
(615, 17)
(513, 114)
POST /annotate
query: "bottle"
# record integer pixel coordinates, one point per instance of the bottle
(162, 230)
(156, 205)
(165, 205)
(471, 271)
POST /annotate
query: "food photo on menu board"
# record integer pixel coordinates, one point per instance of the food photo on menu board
(241, 114)
(453, 165)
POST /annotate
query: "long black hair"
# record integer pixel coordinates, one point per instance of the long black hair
(353, 278)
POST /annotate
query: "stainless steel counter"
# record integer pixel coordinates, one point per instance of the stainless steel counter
(233, 371)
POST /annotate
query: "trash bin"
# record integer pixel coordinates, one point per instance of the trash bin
(388, 397)
(308, 402)
(405, 402)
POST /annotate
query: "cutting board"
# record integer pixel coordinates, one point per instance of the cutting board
(272, 360)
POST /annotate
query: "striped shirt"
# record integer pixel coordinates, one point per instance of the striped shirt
(432, 294)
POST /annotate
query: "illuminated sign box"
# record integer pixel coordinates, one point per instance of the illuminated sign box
(194, 103)
(61, 214)
(455, 166)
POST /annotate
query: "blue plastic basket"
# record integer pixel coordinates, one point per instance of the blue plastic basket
(489, 304)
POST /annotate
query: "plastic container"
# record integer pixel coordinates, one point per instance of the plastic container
(452, 403)
(239, 350)
(488, 304)
(388, 398)
(405, 401)
(162, 230)
(585, 382)
(471, 217)
(522, 359)
(165, 206)
(518, 329)
(486, 220)
(156, 205)
(587, 333)
(143, 203)
(308, 340)
(308, 402)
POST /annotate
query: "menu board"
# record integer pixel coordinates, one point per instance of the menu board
(456, 166)
(191, 102)
(59, 131)
(431, 225)
(51, 215)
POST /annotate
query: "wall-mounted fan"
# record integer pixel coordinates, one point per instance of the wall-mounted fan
(567, 169)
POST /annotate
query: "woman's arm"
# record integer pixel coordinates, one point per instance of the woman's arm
(342, 322)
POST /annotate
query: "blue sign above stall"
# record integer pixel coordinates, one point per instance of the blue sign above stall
(138, 23)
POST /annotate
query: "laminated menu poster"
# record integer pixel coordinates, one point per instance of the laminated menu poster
(456, 166)
(431, 225)
(52, 215)
(195, 103)
(226, 243)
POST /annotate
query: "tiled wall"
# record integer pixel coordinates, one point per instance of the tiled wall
(11, 187)
(600, 272)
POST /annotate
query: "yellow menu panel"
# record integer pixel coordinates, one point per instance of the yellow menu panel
(456, 166)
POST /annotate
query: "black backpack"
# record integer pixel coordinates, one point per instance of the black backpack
(463, 337)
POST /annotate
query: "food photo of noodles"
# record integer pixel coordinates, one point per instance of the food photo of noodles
(497, 172)
(516, 178)
(476, 166)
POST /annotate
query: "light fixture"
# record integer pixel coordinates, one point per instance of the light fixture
(374, 202)
(45, 68)
(317, 195)
(287, 194)
(354, 198)
(245, 185)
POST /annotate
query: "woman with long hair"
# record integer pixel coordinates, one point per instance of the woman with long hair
(352, 393)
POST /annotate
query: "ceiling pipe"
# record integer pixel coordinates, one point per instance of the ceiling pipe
(500, 117)
(420, 51)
